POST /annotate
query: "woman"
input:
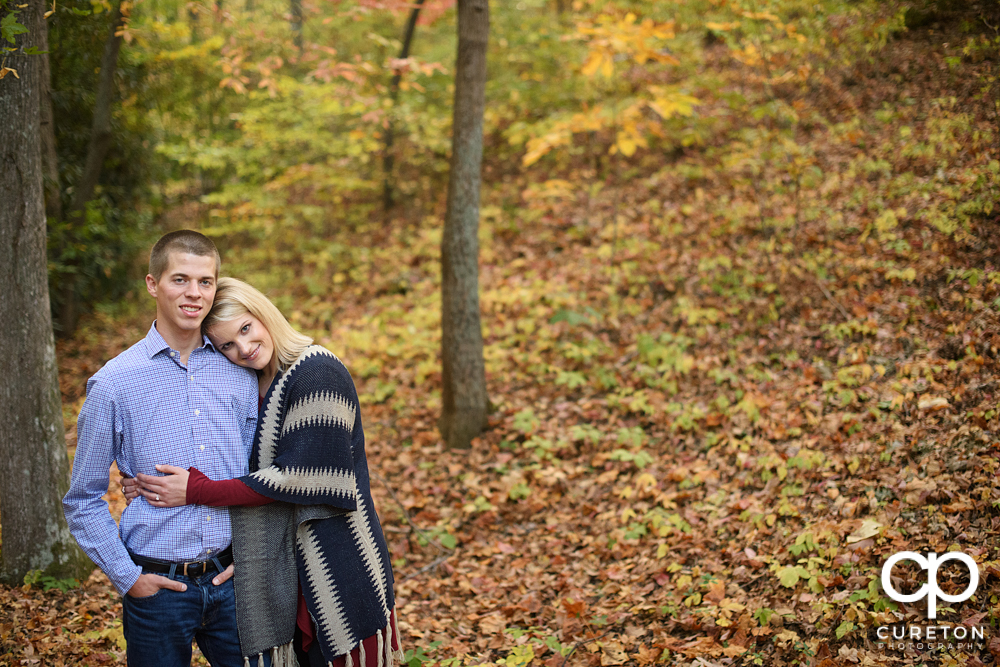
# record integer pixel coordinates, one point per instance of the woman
(313, 576)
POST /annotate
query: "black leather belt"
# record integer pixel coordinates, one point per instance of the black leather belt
(220, 562)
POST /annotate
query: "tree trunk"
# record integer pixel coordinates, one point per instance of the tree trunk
(100, 129)
(97, 150)
(387, 155)
(465, 403)
(295, 7)
(193, 20)
(34, 470)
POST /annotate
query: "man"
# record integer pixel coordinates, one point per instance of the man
(169, 399)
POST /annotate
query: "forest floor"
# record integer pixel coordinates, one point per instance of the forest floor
(718, 409)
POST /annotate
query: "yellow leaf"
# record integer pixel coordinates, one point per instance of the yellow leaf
(626, 144)
(661, 551)
(722, 27)
(668, 104)
(760, 15)
(593, 64)
(869, 528)
(645, 480)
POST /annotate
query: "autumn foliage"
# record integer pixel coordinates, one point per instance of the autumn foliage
(740, 288)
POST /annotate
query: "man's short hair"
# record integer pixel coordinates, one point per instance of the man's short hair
(182, 240)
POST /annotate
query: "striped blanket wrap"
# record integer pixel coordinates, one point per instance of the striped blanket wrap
(309, 455)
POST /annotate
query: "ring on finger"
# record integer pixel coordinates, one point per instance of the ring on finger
(157, 497)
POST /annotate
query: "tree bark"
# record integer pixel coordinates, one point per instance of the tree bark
(97, 150)
(100, 129)
(50, 158)
(387, 155)
(295, 7)
(193, 21)
(465, 402)
(34, 470)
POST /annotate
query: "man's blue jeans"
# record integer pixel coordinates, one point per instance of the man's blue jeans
(159, 629)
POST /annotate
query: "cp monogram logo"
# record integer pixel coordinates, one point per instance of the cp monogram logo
(931, 589)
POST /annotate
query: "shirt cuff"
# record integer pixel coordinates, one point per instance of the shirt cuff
(126, 580)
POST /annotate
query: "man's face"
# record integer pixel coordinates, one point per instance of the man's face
(184, 292)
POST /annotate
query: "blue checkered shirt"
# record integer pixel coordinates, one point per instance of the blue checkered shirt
(144, 408)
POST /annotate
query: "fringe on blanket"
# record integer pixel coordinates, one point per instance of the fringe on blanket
(392, 658)
(398, 653)
(284, 656)
(281, 656)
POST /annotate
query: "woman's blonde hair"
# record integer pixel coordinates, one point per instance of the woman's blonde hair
(234, 298)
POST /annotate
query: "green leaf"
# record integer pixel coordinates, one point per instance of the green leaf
(763, 615)
(448, 540)
(519, 491)
(525, 421)
(568, 316)
(571, 379)
(9, 27)
(789, 576)
(844, 628)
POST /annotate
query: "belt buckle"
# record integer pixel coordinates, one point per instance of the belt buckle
(185, 569)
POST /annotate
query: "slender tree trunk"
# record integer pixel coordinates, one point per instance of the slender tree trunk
(193, 20)
(97, 150)
(34, 470)
(387, 155)
(295, 7)
(66, 303)
(100, 129)
(465, 403)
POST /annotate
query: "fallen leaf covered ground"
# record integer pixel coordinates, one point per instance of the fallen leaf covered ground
(723, 395)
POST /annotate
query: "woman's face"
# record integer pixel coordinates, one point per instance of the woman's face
(245, 341)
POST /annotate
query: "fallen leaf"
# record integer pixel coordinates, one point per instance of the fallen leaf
(612, 653)
(932, 403)
(868, 528)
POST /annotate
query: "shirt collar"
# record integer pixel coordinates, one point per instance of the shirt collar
(155, 343)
